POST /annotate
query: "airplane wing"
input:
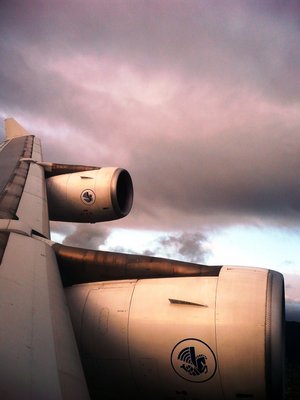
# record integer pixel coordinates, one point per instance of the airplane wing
(38, 352)
(76, 323)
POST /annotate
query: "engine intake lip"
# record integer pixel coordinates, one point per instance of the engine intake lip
(121, 192)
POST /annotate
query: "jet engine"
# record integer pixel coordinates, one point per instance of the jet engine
(96, 195)
(201, 337)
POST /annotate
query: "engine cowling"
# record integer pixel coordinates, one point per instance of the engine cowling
(209, 338)
(90, 196)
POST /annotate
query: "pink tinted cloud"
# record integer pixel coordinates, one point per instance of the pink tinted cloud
(199, 101)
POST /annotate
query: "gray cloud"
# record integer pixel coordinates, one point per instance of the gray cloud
(87, 236)
(292, 310)
(292, 297)
(239, 43)
(185, 246)
(249, 173)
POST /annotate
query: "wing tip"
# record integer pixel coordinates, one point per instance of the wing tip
(14, 129)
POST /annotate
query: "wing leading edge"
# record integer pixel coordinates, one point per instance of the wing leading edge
(38, 352)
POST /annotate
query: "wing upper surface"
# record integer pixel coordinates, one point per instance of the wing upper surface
(22, 183)
(13, 174)
(38, 353)
(14, 129)
(37, 345)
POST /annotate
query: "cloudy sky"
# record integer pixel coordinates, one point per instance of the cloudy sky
(199, 100)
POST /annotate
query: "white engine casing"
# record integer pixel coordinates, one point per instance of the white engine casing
(90, 196)
(136, 337)
(209, 338)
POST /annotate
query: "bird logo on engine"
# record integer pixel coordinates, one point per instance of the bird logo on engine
(88, 197)
(192, 364)
(193, 360)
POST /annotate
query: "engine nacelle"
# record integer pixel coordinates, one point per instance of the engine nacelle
(90, 196)
(209, 338)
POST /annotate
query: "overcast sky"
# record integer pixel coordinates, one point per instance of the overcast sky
(199, 100)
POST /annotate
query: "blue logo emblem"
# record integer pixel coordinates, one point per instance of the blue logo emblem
(88, 197)
(193, 360)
